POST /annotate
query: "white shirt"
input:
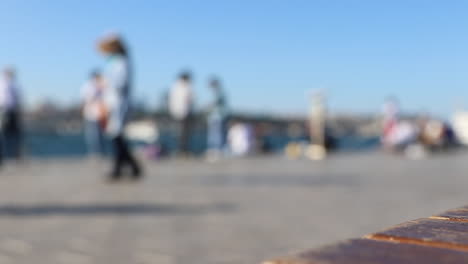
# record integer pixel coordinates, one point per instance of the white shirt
(117, 93)
(180, 99)
(239, 139)
(117, 77)
(404, 132)
(93, 100)
(9, 94)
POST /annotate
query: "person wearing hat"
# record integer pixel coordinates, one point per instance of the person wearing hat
(118, 84)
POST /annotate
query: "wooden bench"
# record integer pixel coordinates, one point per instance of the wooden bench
(441, 239)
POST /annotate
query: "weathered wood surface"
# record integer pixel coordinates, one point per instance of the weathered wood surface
(455, 214)
(434, 232)
(367, 251)
(441, 239)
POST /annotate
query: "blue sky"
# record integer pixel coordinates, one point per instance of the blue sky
(269, 53)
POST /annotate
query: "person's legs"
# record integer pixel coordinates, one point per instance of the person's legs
(101, 140)
(15, 135)
(184, 135)
(118, 158)
(224, 129)
(11, 135)
(130, 159)
(18, 142)
(14, 145)
(124, 157)
(95, 138)
(188, 133)
(2, 146)
(91, 136)
(214, 140)
(215, 135)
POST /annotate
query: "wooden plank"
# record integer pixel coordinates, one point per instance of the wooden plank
(439, 239)
(433, 232)
(459, 214)
(367, 251)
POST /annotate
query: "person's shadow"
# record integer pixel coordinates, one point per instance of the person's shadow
(15, 210)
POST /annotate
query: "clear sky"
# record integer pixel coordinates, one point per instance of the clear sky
(269, 53)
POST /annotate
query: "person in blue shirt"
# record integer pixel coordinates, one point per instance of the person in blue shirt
(216, 121)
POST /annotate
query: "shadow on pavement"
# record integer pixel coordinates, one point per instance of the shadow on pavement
(43, 210)
(281, 180)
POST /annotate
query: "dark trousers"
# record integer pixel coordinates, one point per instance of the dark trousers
(123, 157)
(11, 138)
(185, 134)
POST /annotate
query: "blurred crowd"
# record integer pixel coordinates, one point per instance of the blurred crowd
(107, 103)
(417, 136)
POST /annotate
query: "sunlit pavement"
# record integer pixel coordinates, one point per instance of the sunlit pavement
(233, 211)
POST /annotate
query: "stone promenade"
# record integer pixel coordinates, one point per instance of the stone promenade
(234, 211)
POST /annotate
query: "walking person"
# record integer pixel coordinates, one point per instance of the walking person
(10, 114)
(216, 121)
(390, 120)
(181, 108)
(94, 113)
(118, 85)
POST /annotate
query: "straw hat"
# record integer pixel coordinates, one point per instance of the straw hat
(111, 43)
